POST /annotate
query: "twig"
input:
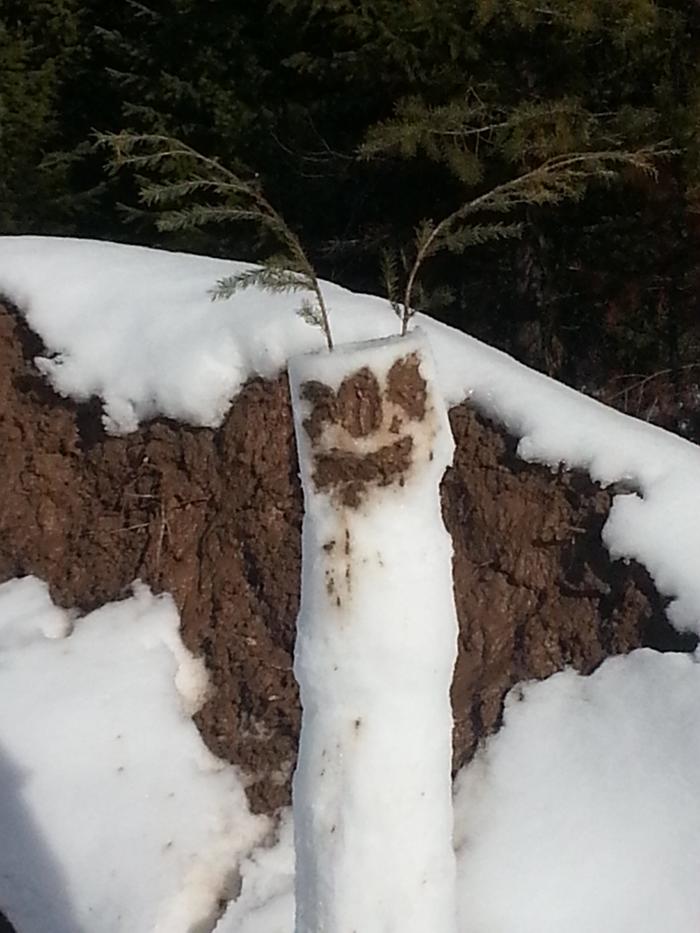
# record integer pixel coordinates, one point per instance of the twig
(647, 379)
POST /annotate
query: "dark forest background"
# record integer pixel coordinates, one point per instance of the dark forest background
(363, 117)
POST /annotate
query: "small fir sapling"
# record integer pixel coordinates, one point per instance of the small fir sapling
(539, 142)
(185, 175)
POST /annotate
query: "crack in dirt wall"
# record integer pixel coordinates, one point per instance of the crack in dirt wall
(214, 518)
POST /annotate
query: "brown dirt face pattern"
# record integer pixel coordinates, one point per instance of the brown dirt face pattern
(214, 518)
(361, 408)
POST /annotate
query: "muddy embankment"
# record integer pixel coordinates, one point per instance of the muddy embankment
(214, 517)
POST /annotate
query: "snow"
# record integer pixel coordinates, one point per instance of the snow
(266, 900)
(582, 813)
(376, 738)
(119, 818)
(579, 815)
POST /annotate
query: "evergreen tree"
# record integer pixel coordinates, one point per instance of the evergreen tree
(37, 43)
(189, 190)
(520, 82)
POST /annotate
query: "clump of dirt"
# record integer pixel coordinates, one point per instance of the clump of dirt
(407, 388)
(348, 475)
(214, 518)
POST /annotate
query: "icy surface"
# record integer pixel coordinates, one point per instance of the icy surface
(113, 815)
(375, 651)
(137, 328)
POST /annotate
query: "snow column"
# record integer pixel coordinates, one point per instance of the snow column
(376, 644)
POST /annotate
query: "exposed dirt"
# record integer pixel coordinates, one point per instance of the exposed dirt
(535, 588)
(214, 518)
(406, 387)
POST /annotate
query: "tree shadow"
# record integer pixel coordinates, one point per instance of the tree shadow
(34, 892)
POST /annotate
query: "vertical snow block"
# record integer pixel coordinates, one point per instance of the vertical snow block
(376, 644)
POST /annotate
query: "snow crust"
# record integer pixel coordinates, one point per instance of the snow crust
(376, 737)
(580, 814)
(137, 328)
(113, 814)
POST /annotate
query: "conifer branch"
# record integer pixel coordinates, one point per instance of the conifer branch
(242, 198)
(560, 178)
(389, 264)
(269, 277)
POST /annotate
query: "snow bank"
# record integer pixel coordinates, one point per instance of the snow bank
(113, 814)
(137, 328)
(580, 814)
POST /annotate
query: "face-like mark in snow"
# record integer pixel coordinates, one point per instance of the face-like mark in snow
(363, 435)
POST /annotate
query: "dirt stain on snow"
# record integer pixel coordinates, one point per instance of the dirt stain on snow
(361, 409)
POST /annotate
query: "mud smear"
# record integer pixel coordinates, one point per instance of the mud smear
(214, 518)
(362, 409)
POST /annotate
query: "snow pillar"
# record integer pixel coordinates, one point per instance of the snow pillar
(376, 644)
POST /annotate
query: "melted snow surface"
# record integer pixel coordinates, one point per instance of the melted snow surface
(113, 814)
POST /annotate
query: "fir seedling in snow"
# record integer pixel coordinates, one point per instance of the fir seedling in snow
(540, 139)
(230, 197)
(376, 643)
(563, 178)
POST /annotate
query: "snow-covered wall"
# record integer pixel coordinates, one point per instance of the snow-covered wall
(579, 815)
(136, 327)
